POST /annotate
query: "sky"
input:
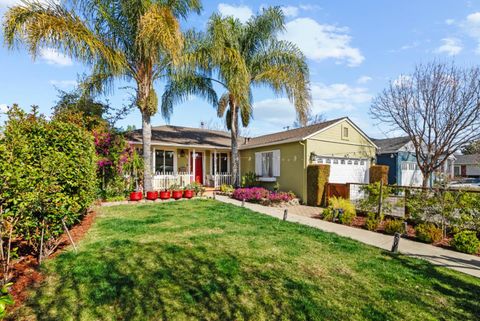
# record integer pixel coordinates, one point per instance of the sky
(354, 48)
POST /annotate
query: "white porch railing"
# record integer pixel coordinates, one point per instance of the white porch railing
(164, 181)
(222, 179)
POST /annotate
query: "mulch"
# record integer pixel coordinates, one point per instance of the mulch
(26, 272)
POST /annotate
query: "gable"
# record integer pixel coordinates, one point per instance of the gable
(344, 132)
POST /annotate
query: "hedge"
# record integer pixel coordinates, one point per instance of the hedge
(317, 178)
(379, 173)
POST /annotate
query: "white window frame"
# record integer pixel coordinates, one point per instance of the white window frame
(213, 157)
(275, 168)
(175, 169)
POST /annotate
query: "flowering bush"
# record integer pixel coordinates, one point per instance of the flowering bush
(260, 194)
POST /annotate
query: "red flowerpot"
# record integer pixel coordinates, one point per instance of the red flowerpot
(152, 196)
(164, 195)
(177, 194)
(188, 194)
(136, 196)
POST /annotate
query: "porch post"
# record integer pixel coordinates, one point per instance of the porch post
(215, 168)
(193, 163)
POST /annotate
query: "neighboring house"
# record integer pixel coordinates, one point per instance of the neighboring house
(399, 155)
(282, 158)
(183, 154)
(467, 165)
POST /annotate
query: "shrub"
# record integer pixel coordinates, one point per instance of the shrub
(328, 214)
(394, 226)
(379, 173)
(249, 179)
(6, 299)
(226, 189)
(466, 242)
(348, 208)
(372, 222)
(428, 232)
(372, 197)
(317, 177)
(253, 194)
(279, 197)
(48, 174)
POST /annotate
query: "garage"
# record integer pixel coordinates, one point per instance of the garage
(410, 174)
(346, 170)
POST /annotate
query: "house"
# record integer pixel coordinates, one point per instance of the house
(398, 154)
(183, 154)
(467, 166)
(282, 158)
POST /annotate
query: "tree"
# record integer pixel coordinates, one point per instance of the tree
(312, 119)
(239, 56)
(437, 106)
(471, 148)
(135, 40)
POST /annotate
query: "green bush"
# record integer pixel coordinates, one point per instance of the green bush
(6, 299)
(372, 222)
(394, 226)
(328, 214)
(48, 173)
(249, 179)
(348, 208)
(197, 188)
(228, 189)
(466, 242)
(379, 173)
(317, 178)
(428, 232)
(372, 198)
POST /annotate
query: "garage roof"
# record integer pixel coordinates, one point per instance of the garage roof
(473, 159)
(390, 145)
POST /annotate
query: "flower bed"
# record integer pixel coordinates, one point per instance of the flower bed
(264, 196)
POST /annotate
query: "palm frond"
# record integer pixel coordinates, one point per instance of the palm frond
(223, 104)
(181, 87)
(49, 25)
(159, 32)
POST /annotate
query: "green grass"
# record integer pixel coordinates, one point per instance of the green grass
(204, 260)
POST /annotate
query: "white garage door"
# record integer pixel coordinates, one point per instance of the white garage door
(411, 174)
(346, 170)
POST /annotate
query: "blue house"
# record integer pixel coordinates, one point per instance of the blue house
(399, 155)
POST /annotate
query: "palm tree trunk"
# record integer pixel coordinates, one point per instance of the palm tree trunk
(235, 155)
(147, 152)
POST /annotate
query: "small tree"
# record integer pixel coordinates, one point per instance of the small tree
(438, 107)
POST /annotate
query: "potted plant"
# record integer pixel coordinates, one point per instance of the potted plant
(188, 192)
(177, 192)
(165, 195)
(136, 196)
(152, 195)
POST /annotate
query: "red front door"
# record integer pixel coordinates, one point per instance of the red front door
(198, 173)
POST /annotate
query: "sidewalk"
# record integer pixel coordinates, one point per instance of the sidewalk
(465, 263)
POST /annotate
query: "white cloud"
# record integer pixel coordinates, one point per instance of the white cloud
(450, 46)
(280, 111)
(449, 21)
(472, 24)
(322, 41)
(243, 13)
(63, 83)
(290, 11)
(3, 108)
(53, 57)
(364, 79)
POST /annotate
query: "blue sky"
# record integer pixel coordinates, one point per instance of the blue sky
(353, 48)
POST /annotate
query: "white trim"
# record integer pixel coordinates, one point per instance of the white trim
(267, 179)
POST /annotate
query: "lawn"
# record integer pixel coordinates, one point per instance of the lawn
(205, 260)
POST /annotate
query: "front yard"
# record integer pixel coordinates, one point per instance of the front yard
(212, 261)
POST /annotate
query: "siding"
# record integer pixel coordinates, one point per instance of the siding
(292, 166)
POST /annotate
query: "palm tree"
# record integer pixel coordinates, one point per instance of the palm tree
(241, 56)
(137, 40)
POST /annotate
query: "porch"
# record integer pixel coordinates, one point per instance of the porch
(182, 166)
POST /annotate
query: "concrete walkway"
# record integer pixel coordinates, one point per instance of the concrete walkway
(465, 263)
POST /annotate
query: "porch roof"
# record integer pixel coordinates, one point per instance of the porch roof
(184, 137)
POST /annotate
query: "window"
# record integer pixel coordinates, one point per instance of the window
(164, 161)
(345, 132)
(222, 163)
(267, 165)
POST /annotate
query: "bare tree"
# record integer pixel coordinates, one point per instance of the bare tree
(312, 119)
(438, 107)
